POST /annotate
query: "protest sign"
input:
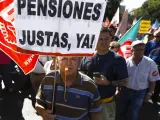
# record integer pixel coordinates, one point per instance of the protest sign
(144, 26)
(8, 38)
(58, 26)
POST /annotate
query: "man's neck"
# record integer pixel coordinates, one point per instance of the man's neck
(102, 52)
(136, 60)
(68, 80)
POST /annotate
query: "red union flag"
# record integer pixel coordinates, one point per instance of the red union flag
(8, 38)
(25, 61)
(125, 49)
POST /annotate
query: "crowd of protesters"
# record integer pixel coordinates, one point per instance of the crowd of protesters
(85, 88)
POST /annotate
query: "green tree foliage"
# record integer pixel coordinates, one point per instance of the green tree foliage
(111, 8)
(149, 10)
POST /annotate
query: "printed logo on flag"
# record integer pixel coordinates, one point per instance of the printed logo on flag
(8, 38)
(125, 49)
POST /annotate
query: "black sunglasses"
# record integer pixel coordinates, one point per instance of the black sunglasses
(112, 47)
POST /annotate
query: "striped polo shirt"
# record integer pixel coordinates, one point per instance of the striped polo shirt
(76, 103)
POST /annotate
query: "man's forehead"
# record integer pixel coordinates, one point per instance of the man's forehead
(140, 45)
(105, 34)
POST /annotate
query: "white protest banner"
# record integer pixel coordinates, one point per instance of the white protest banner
(58, 26)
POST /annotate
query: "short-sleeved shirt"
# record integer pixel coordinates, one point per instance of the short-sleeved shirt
(140, 75)
(110, 65)
(152, 44)
(82, 97)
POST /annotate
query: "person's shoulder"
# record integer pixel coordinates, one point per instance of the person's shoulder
(117, 57)
(114, 54)
(88, 58)
(148, 59)
(54, 73)
(157, 50)
(151, 41)
(154, 52)
(51, 75)
(87, 80)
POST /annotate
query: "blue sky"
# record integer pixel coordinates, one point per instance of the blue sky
(131, 4)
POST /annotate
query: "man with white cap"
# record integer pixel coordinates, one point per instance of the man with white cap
(143, 73)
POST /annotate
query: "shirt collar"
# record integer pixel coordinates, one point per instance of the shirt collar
(77, 81)
(139, 62)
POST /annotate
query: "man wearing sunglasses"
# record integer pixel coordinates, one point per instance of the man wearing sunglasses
(153, 44)
(114, 46)
(150, 36)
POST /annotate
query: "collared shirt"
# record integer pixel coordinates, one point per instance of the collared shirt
(140, 75)
(111, 65)
(81, 97)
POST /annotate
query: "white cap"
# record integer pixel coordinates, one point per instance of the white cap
(137, 42)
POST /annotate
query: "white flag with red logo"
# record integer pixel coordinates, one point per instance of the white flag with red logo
(127, 39)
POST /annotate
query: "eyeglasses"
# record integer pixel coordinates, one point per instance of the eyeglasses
(112, 47)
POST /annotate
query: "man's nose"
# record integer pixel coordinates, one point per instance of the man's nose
(69, 62)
